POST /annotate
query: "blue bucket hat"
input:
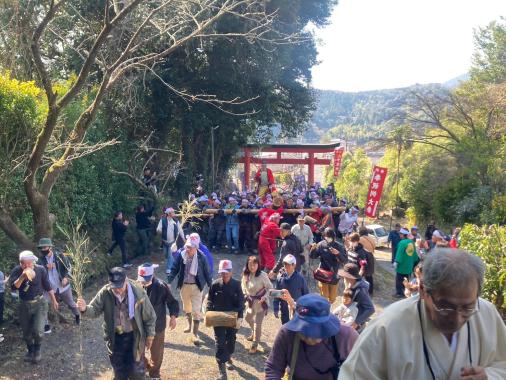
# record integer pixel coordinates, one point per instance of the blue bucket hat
(313, 318)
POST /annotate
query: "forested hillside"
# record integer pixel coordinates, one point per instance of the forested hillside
(363, 116)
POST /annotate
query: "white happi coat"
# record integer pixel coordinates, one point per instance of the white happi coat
(391, 347)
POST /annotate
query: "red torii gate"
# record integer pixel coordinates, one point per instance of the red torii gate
(311, 149)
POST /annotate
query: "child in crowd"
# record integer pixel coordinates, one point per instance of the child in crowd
(411, 288)
(347, 311)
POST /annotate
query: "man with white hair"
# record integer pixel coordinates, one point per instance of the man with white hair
(448, 332)
(347, 220)
(192, 270)
(305, 235)
(31, 280)
(172, 234)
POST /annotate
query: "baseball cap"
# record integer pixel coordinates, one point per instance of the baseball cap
(225, 266)
(404, 231)
(117, 277)
(285, 226)
(145, 272)
(290, 259)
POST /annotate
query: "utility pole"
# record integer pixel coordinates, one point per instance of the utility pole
(212, 156)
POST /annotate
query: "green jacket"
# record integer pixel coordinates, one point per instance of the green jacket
(144, 316)
(406, 256)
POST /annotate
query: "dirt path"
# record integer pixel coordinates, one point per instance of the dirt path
(62, 357)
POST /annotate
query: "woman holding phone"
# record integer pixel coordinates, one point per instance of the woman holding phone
(255, 286)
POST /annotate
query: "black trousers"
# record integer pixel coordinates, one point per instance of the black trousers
(225, 343)
(285, 312)
(122, 359)
(122, 247)
(370, 280)
(246, 236)
(399, 286)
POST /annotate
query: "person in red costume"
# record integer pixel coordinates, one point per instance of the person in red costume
(264, 180)
(269, 234)
(265, 213)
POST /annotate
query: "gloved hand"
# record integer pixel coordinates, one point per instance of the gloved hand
(238, 323)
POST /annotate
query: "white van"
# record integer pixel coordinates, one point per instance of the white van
(379, 233)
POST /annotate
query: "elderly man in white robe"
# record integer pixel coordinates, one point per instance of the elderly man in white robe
(446, 333)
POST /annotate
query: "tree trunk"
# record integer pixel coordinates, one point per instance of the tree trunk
(42, 222)
(14, 232)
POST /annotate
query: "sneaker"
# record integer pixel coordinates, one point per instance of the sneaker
(47, 329)
(230, 365)
(127, 265)
(78, 319)
(250, 338)
(167, 271)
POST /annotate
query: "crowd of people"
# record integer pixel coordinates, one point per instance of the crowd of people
(441, 328)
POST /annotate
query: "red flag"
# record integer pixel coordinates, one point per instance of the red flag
(338, 155)
(375, 188)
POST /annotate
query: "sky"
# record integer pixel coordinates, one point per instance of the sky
(379, 44)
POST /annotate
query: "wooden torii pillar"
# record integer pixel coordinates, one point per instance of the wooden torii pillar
(310, 149)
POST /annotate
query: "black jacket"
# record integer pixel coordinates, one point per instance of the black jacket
(161, 298)
(61, 263)
(118, 230)
(202, 278)
(355, 255)
(245, 219)
(226, 297)
(30, 290)
(328, 260)
(291, 245)
(142, 218)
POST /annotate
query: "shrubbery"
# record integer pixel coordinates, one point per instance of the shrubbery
(489, 243)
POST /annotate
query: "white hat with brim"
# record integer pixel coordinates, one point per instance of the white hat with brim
(404, 231)
(27, 255)
(225, 266)
(290, 259)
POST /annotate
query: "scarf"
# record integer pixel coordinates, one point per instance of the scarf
(131, 301)
(258, 296)
(195, 262)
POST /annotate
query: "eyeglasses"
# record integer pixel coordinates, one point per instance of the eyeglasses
(446, 311)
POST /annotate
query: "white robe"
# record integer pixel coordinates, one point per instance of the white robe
(391, 347)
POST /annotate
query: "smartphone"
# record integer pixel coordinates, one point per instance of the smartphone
(275, 293)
